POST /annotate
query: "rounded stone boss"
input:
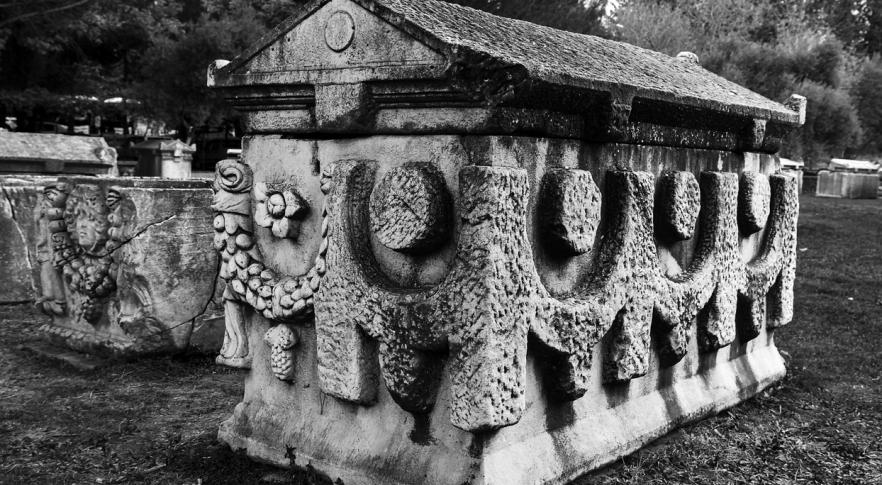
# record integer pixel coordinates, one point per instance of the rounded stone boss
(569, 211)
(754, 194)
(410, 208)
(678, 204)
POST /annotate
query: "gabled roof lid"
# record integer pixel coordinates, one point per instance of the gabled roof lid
(55, 153)
(530, 55)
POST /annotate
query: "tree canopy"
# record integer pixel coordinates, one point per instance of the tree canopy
(821, 49)
(63, 56)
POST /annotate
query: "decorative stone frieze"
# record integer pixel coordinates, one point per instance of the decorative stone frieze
(128, 273)
(531, 257)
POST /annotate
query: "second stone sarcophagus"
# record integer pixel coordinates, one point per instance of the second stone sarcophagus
(127, 266)
(460, 248)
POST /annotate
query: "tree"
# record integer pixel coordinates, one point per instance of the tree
(831, 125)
(573, 15)
(152, 51)
(865, 93)
(657, 26)
(774, 48)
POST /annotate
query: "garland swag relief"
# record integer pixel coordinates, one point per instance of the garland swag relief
(492, 298)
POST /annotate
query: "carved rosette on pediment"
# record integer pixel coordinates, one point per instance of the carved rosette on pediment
(85, 226)
(240, 204)
(492, 300)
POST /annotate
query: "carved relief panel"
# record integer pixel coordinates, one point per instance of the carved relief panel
(481, 226)
(127, 273)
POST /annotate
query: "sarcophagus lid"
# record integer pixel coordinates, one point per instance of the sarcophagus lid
(414, 66)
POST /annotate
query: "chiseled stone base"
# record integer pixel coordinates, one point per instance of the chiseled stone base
(552, 443)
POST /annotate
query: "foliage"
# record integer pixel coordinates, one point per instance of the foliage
(774, 48)
(865, 92)
(657, 26)
(831, 125)
(573, 15)
(152, 51)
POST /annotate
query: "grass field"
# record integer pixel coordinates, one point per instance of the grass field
(154, 421)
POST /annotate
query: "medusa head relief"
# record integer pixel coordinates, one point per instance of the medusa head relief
(85, 232)
(86, 216)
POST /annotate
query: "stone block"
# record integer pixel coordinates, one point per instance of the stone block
(513, 254)
(131, 270)
(46, 153)
(847, 185)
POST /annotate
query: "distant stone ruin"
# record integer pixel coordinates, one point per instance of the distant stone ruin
(54, 154)
(849, 179)
(460, 248)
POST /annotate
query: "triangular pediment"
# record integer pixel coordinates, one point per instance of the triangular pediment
(336, 41)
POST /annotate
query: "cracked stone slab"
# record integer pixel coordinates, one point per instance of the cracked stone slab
(131, 265)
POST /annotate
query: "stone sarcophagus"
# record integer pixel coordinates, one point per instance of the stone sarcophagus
(465, 249)
(128, 267)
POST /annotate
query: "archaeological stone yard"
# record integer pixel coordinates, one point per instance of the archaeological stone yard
(451, 248)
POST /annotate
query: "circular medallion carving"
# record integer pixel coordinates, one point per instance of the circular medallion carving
(410, 209)
(339, 31)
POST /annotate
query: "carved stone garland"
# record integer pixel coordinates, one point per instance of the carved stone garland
(493, 297)
(279, 298)
(87, 266)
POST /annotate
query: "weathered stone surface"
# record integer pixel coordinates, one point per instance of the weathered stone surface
(531, 336)
(753, 202)
(129, 266)
(467, 71)
(847, 185)
(410, 210)
(569, 210)
(21, 249)
(489, 303)
(679, 203)
(42, 153)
